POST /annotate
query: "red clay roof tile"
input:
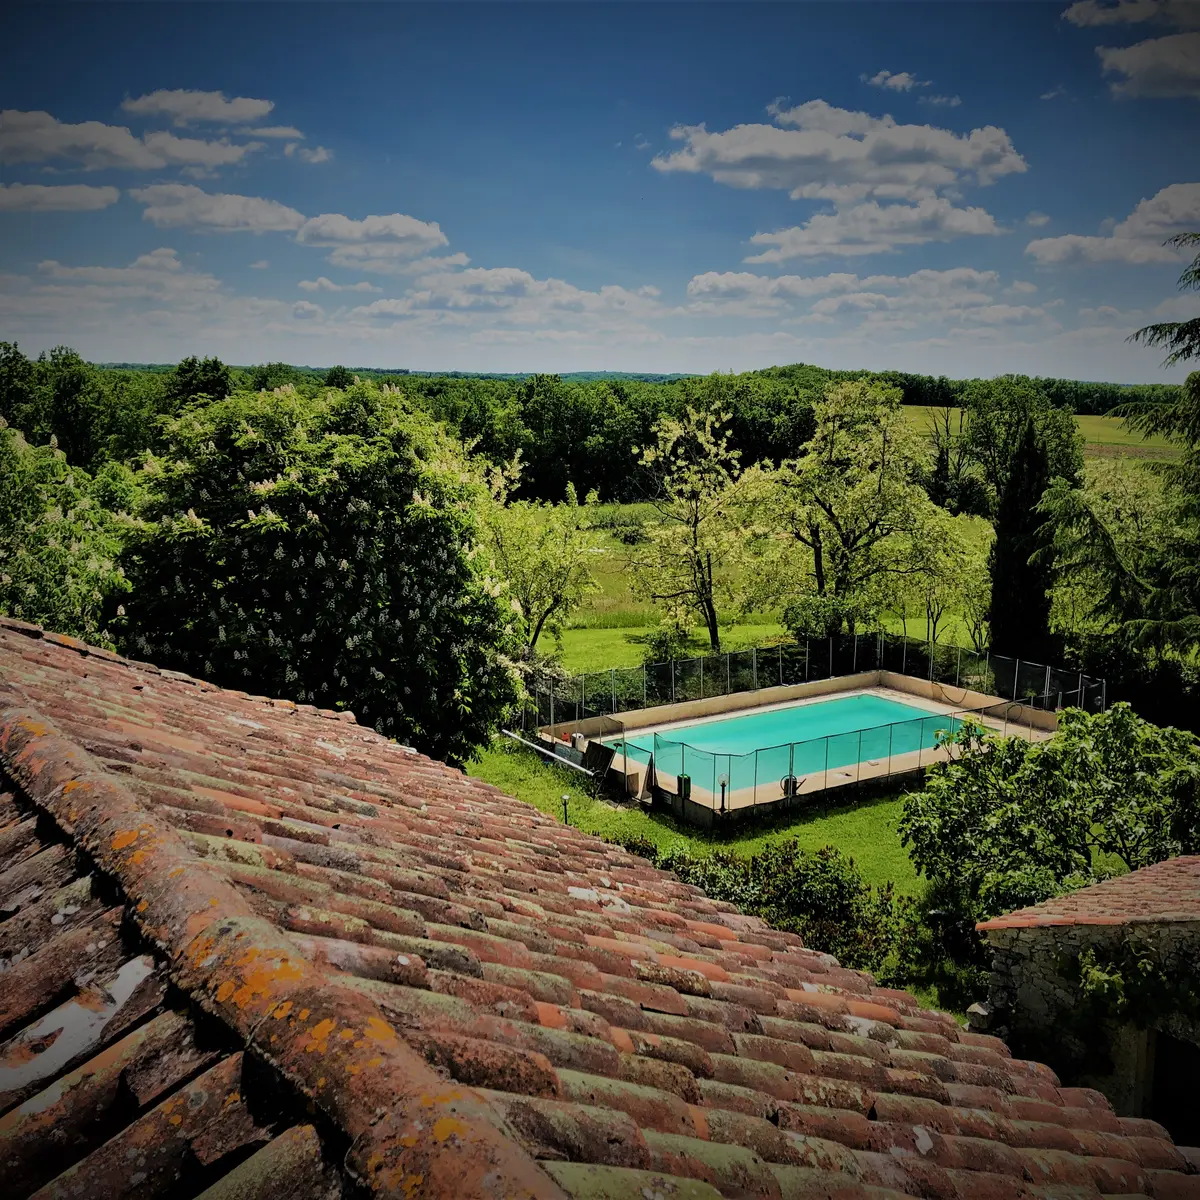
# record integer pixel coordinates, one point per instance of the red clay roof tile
(476, 1000)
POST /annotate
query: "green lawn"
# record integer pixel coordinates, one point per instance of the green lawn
(1103, 436)
(598, 649)
(867, 833)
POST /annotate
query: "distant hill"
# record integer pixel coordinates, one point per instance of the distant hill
(576, 376)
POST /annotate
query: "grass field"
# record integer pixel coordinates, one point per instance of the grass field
(1103, 437)
(867, 833)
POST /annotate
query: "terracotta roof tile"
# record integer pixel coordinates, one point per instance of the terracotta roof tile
(256, 943)
(1165, 892)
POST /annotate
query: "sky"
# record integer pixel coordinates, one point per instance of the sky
(956, 188)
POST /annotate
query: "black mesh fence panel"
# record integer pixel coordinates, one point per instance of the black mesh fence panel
(605, 693)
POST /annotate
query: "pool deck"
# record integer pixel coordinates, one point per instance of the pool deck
(770, 791)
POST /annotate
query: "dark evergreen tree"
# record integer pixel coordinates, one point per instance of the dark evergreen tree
(1020, 608)
(339, 377)
(193, 378)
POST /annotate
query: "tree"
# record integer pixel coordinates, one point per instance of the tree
(324, 549)
(1108, 538)
(60, 534)
(1005, 823)
(998, 411)
(1180, 338)
(19, 402)
(696, 538)
(952, 553)
(543, 551)
(339, 377)
(269, 376)
(953, 480)
(194, 379)
(1146, 568)
(1019, 615)
(840, 524)
(72, 406)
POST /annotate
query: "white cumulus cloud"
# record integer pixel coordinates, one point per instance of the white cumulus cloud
(900, 81)
(1160, 67)
(175, 205)
(276, 131)
(874, 228)
(1136, 240)
(818, 151)
(27, 137)
(1181, 13)
(321, 284)
(70, 197)
(186, 107)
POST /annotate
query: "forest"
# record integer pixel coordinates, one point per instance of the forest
(417, 548)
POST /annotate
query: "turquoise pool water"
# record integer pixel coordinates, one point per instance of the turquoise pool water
(801, 740)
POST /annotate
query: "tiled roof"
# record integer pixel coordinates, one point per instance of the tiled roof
(289, 957)
(1166, 891)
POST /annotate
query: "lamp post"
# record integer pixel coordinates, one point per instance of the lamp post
(566, 800)
(723, 780)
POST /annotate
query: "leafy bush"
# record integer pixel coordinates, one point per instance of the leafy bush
(322, 548)
(59, 538)
(821, 896)
(666, 642)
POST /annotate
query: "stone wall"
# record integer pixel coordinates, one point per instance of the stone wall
(1034, 1003)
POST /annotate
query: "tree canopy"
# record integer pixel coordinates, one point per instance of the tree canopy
(846, 519)
(324, 549)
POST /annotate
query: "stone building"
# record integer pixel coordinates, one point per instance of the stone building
(1104, 985)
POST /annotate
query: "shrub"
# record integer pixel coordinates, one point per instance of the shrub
(821, 896)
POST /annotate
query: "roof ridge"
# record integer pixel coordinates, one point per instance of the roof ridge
(1085, 905)
(408, 1128)
(86, 649)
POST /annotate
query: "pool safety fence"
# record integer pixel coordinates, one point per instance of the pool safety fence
(626, 689)
(728, 783)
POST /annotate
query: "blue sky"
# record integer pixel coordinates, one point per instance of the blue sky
(959, 188)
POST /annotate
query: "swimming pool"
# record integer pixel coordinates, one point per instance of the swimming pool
(767, 746)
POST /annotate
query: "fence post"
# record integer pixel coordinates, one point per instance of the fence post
(672, 681)
(1080, 689)
(831, 656)
(1104, 695)
(702, 677)
(791, 769)
(854, 660)
(958, 667)
(931, 654)
(612, 678)
(904, 654)
(1046, 689)
(754, 666)
(781, 678)
(551, 701)
(755, 793)
(806, 659)
(825, 781)
(1016, 675)
(891, 731)
(858, 764)
(728, 683)
(583, 699)
(644, 695)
